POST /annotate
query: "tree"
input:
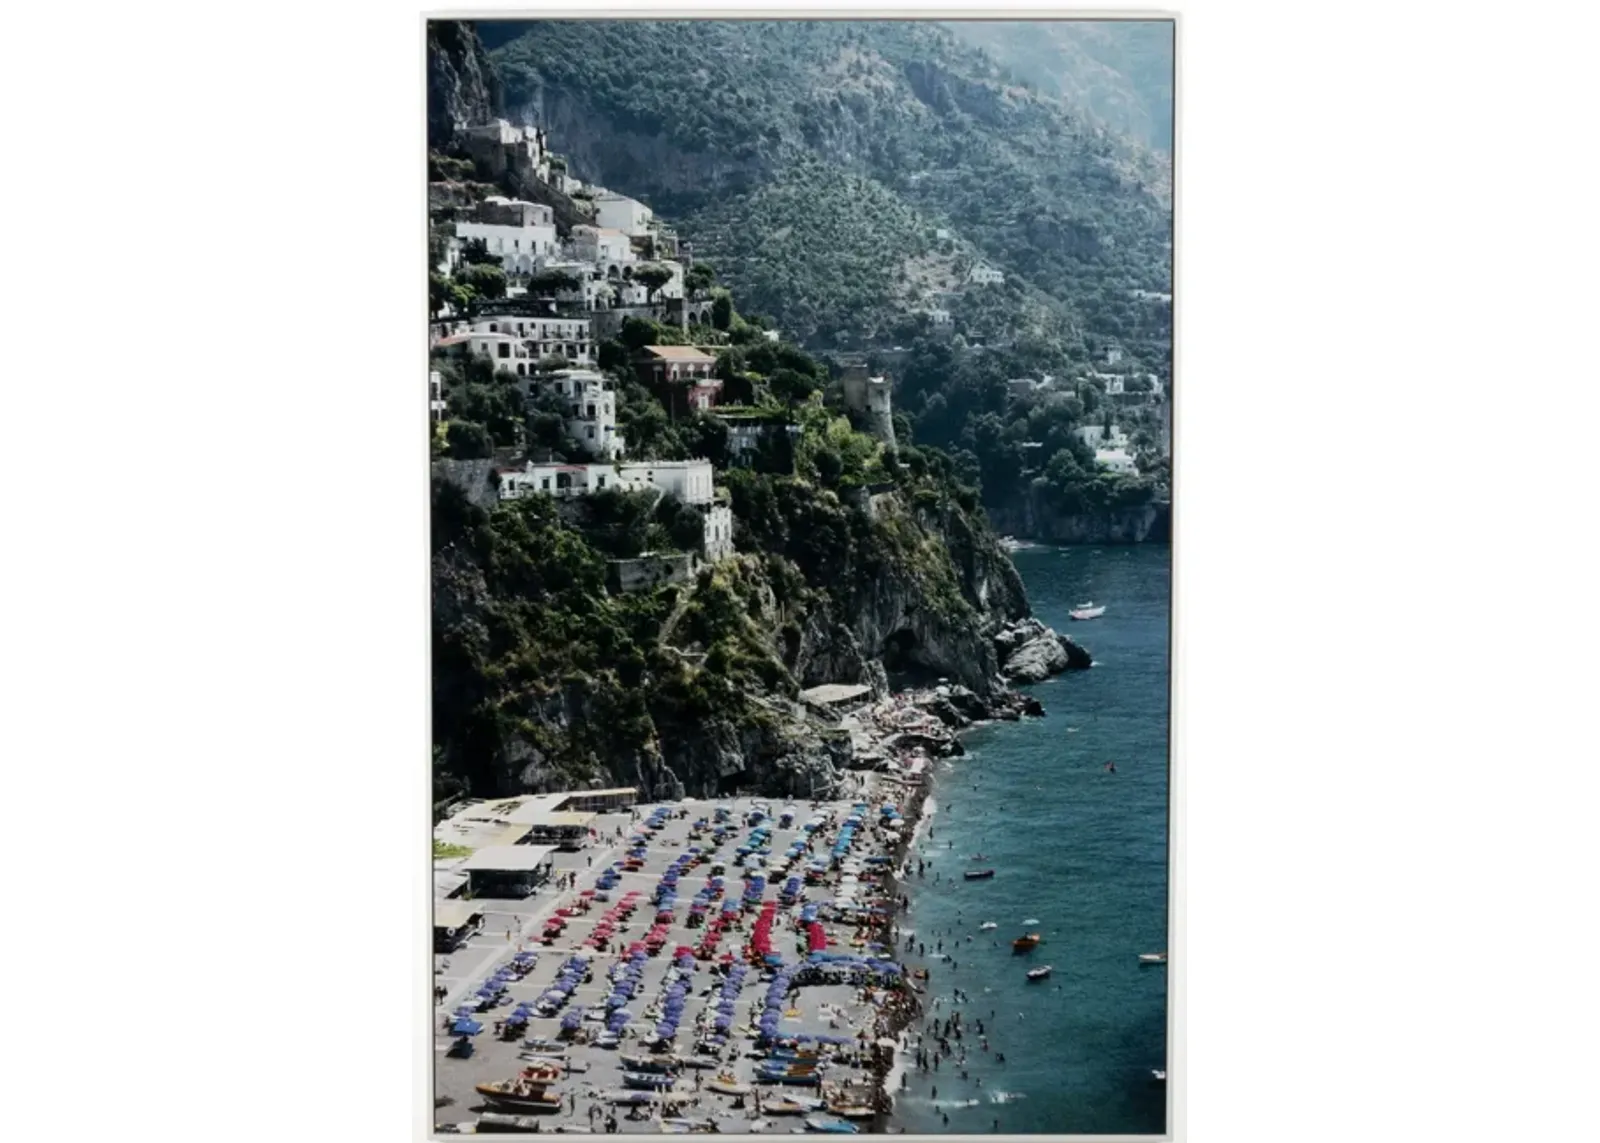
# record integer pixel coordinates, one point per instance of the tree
(484, 281)
(791, 386)
(722, 310)
(700, 278)
(548, 283)
(613, 355)
(467, 440)
(475, 252)
(443, 292)
(652, 278)
(637, 332)
(707, 437)
(830, 465)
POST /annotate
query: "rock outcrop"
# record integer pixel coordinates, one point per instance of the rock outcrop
(1029, 652)
(463, 86)
(1030, 516)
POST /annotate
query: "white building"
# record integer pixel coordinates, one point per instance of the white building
(1095, 436)
(499, 141)
(559, 480)
(436, 403)
(618, 212)
(986, 276)
(1116, 460)
(939, 317)
(516, 232)
(603, 246)
(718, 542)
(518, 343)
(590, 406)
(687, 480)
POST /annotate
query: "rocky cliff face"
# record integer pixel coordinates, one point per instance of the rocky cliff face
(463, 87)
(934, 602)
(1030, 517)
(605, 150)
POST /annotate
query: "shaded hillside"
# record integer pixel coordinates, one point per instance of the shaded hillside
(463, 86)
(1118, 70)
(843, 148)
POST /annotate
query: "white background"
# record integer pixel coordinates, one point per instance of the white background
(215, 570)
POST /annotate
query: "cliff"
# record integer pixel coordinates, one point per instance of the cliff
(1030, 516)
(543, 679)
(463, 86)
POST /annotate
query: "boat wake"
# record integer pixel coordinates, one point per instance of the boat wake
(955, 1102)
(1005, 1096)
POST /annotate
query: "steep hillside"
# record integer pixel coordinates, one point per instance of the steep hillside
(846, 147)
(463, 86)
(1120, 71)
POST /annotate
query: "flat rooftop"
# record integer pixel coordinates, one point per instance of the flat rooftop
(508, 858)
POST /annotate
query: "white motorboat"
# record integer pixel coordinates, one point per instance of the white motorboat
(987, 925)
(1086, 613)
(1039, 973)
(1159, 1075)
(1152, 958)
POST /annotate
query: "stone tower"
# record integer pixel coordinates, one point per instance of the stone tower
(870, 397)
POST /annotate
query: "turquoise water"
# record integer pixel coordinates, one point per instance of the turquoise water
(1082, 850)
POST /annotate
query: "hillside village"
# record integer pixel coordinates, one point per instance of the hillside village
(571, 291)
(540, 305)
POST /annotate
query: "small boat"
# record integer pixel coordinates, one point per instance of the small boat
(499, 1123)
(1027, 943)
(853, 1111)
(1039, 973)
(1086, 613)
(509, 1097)
(817, 1125)
(978, 874)
(528, 1091)
(1152, 958)
(727, 1083)
(784, 1106)
(635, 1063)
(1158, 1075)
(986, 926)
(647, 1081)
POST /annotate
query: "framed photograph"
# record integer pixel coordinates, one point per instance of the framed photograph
(800, 404)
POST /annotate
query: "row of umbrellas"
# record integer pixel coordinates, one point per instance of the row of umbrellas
(568, 978)
(761, 934)
(722, 1020)
(777, 997)
(679, 979)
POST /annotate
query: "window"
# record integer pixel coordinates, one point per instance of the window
(600, 482)
(591, 411)
(545, 485)
(589, 432)
(505, 350)
(493, 328)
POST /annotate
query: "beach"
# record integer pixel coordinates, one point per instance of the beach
(841, 1013)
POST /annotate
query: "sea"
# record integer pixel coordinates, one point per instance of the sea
(1080, 855)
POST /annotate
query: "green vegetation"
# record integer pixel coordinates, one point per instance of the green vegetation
(442, 849)
(824, 162)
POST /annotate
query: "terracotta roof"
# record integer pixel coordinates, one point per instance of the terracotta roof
(687, 354)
